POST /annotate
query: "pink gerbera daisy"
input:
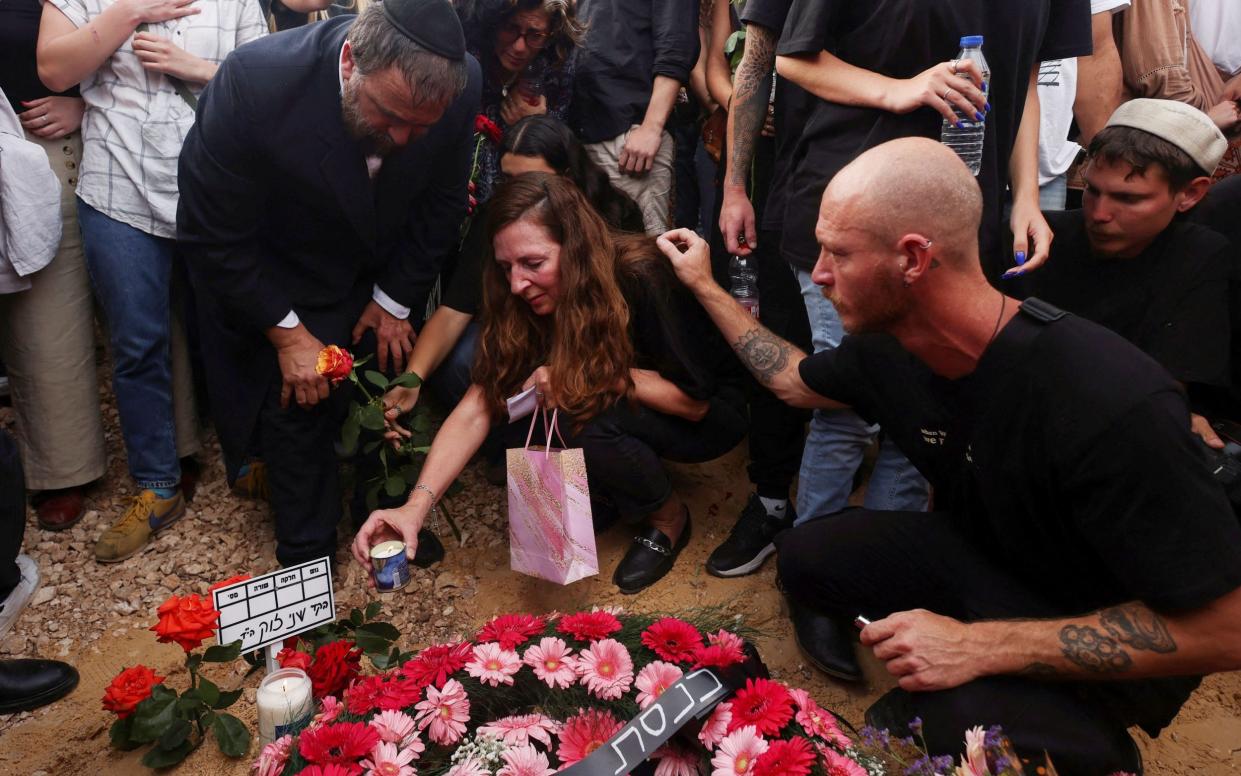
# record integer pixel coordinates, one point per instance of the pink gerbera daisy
(654, 679)
(509, 630)
(589, 626)
(552, 662)
(518, 730)
(673, 760)
(839, 765)
(738, 752)
(272, 759)
(585, 733)
(816, 720)
(716, 726)
(470, 766)
(493, 665)
(606, 669)
(397, 727)
(444, 713)
(524, 761)
(387, 760)
(330, 710)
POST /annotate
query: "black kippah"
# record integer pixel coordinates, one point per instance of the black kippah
(432, 24)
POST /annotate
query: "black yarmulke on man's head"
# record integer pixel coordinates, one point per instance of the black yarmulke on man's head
(432, 24)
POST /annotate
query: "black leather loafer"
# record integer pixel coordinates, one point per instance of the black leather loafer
(430, 550)
(649, 558)
(826, 644)
(28, 684)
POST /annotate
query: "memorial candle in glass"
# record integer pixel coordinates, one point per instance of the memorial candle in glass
(285, 703)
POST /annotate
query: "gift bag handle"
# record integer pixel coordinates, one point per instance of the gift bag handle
(551, 430)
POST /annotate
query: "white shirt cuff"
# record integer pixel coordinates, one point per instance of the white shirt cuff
(388, 303)
(289, 321)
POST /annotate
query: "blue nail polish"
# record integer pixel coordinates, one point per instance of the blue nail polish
(988, 108)
(1021, 258)
(1012, 273)
(979, 117)
(984, 86)
(960, 125)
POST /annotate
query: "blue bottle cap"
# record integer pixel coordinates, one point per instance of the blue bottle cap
(971, 40)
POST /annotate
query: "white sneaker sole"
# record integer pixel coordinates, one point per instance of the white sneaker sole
(745, 568)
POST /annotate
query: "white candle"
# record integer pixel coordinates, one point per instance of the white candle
(284, 701)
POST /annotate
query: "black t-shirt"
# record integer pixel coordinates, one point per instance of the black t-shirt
(899, 39)
(19, 33)
(792, 109)
(1171, 301)
(1066, 453)
(1218, 211)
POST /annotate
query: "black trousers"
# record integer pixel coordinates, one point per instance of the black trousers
(12, 513)
(624, 445)
(777, 431)
(877, 563)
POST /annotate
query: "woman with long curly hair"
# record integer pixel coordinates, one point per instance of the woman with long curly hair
(597, 324)
(527, 52)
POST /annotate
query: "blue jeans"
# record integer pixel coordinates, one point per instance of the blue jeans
(131, 272)
(838, 439)
(1052, 194)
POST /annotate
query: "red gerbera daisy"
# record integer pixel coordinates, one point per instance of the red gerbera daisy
(717, 656)
(584, 733)
(764, 704)
(785, 758)
(672, 639)
(511, 629)
(344, 743)
(435, 664)
(331, 769)
(589, 626)
(383, 692)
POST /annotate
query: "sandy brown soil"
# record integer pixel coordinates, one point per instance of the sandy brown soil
(95, 616)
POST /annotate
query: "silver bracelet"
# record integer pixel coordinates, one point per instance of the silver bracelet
(435, 513)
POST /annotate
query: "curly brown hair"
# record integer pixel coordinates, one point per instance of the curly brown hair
(480, 18)
(586, 342)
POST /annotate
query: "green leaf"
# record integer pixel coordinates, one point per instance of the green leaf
(381, 629)
(209, 691)
(405, 380)
(231, 735)
(154, 715)
(394, 485)
(371, 447)
(349, 433)
(422, 422)
(166, 758)
(372, 496)
(119, 733)
(361, 362)
(175, 734)
(227, 699)
(372, 418)
(190, 701)
(377, 379)
(355, 616)
(373, 609)
(223, 654)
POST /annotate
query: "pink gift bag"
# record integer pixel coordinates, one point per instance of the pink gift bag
(551, 534)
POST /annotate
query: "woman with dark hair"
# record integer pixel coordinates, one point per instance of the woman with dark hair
(526, 49)
(534, 144)
(598, 325)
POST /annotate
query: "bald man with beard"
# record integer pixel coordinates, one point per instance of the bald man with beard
(1080, 571)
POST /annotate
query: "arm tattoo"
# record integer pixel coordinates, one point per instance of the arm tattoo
(751, 88)
(1090, 650)
(763, 353)
(1139, 627)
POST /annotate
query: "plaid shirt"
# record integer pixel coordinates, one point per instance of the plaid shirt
(135, 121)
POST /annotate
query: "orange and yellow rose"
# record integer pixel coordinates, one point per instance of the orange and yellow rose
(335, 363)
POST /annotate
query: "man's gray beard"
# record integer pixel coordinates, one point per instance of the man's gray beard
(375, 142)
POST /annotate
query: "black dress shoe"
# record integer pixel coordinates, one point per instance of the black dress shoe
(29, 684)
(826, 643)
(650, 557)
(430, 550)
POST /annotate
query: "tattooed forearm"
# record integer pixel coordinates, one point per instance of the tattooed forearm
(1085, 647)
(751, 88)
(1139, 627)
(763, 353)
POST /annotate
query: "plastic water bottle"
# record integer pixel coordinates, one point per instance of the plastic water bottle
(967, 139)
(744, 286)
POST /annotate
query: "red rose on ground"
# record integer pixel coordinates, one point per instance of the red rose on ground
(589, 626)
(435, 664)
(293, 658)
(672, 639)
(485, 126)
(128, 689)
(187, 621)
(509, 630)
(765, 704)
(227, 582)
(335, 363)
(334, 667)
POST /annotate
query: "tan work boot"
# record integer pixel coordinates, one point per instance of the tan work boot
(147, 515)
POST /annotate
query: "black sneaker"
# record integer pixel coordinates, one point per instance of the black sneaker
(750, 542)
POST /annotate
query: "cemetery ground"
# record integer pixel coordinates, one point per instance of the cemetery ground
(96, 617)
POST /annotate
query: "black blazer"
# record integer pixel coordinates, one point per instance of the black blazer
(276, 210)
